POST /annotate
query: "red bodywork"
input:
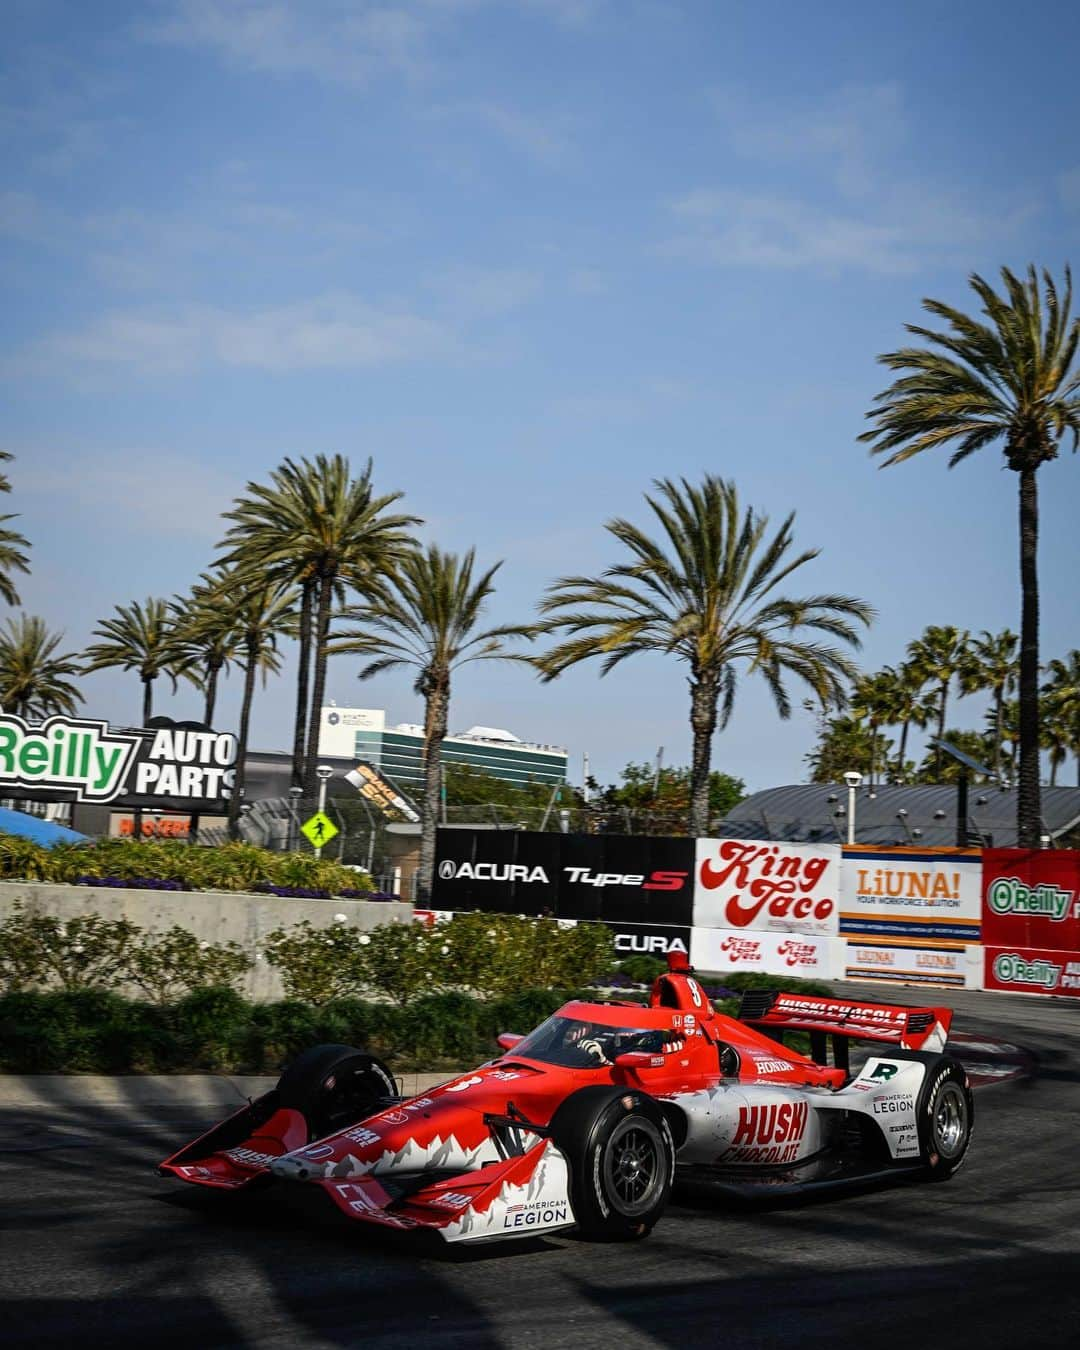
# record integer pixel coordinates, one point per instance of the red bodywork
(445, 1135)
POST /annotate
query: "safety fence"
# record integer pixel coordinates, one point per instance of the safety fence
(1004, 919)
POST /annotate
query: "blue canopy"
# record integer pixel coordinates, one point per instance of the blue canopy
(44, 832)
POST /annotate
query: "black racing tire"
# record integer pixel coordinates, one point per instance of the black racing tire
(945, 1114)
(621, 1158)
(335, 1086)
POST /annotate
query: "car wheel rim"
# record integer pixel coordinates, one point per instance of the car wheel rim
(950, 1121)
(634, 1167)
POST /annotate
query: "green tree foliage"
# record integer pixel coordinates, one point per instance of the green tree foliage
(1061, 701)
(141, 637)
(706, 592)
(34, 681)
(318, 528)
(663, 800)
(1008, 379)
(428, 619)
(845, 743)
(992, 667)
(12, 546)
(937, 658)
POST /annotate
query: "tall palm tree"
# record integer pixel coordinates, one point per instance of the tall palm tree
(320, 529)
(1007, 379)
(993, 667)
(874, 699)
(33, 675)
(706, 593)
(939, 657)
(429, 619)
(263, 614)
(208, 630)
(911, 706)
(141, 637)
(1061, 698)
(12, 544)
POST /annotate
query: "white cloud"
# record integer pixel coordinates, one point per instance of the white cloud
(338, 40)
(149, 491)
(482, 291)
(334, 332)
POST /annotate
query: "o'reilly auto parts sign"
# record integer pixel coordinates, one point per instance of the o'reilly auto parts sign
(619, 879)
(167, 765)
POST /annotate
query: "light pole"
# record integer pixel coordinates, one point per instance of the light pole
(325, 773)
(293, 841)
(852, 778)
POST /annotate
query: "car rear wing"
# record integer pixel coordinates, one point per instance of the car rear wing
(908, 1028)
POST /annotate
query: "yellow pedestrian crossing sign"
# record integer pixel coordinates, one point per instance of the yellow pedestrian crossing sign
(319, 829)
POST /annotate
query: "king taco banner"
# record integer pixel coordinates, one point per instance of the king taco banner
(1031, 921)
(809, 956)
(756, 885)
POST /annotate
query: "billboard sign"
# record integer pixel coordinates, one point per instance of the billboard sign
(761, 886)
(166, 765)
(799, 954)
(381, 793)
(1031, 921)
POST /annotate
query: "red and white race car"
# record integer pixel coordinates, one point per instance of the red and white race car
(587, 1121)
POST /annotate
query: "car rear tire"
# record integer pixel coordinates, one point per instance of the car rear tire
(621, 1158)
(333, 1086)
(945, 1113)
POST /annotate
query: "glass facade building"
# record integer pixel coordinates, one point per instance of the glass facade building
(399, 756)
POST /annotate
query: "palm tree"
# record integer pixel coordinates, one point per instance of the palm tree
(12, 557)
(1009, 379)
(705, 594)
(910, 707)
(992, 667)
(1061, 698)
(320, 529)
(874, 698)
(208, 630)
(939, 656)
(263, 614)
(33, 676)
(428, 619)
(141, 637)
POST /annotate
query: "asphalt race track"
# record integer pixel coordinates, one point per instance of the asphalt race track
(97, 1251)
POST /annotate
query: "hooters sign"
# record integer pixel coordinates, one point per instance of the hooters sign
(755, 884)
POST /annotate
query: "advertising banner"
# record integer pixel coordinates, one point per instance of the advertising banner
(755, 884)
(1031, 970)
(1032, 898)
(1031, 920)
(619, 879)
(381, 793)
(166, 765)
(806, 955)
(945, 967)
(909, 915)
(504, 871)
(639, 939)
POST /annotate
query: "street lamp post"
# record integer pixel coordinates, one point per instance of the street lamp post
(293, 841)
(325, 773)
(852, 778)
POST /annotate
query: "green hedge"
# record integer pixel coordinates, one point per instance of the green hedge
(214, 1030)
(227, 867)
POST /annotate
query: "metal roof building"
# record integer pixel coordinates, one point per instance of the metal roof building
(887, 814)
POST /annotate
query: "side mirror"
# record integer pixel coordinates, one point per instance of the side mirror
(638, 1059)
(508, 1039)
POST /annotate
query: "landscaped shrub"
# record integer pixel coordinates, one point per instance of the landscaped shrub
(85, 952)
(167, 965)
(226, 867)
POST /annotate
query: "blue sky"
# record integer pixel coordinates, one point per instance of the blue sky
(528, 255)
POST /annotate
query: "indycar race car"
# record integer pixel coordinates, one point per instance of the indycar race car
(588, 1120)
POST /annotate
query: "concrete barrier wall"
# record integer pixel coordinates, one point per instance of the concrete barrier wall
(213, 916)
